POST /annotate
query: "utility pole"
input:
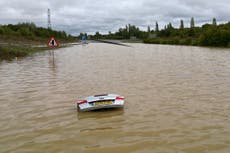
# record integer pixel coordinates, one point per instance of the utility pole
(49, 27)
(49, 21)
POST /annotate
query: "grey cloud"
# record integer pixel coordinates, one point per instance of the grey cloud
(75, 16)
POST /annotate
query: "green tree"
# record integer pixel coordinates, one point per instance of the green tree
(148, 29)
(1, 30)
(181, 24)
(97, 35)
(215, 36)
(214, 21)
(25, 31)
(156, 27)
(192, 23)
(169, 26)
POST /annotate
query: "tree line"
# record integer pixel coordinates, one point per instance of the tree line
(206, 35)
(31, 31)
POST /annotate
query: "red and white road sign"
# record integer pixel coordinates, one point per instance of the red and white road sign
(52, 42)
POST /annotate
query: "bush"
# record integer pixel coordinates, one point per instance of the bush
(215, 37)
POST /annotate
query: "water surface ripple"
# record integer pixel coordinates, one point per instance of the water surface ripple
(177, 100)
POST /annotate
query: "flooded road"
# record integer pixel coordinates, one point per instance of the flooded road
(177, 100)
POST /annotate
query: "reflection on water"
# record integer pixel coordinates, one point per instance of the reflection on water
(177, 100)
(52, 61)
(105, 113)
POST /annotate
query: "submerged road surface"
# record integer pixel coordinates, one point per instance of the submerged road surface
(177, 100)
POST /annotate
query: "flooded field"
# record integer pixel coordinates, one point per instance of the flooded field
(177, 100)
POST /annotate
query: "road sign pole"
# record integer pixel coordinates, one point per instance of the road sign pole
(53, 55)
(52, 42)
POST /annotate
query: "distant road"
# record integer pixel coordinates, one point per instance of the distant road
(115, 42)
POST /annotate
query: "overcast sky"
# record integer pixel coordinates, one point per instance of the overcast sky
(75, 16)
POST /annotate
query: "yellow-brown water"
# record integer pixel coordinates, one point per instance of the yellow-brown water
(177, 100)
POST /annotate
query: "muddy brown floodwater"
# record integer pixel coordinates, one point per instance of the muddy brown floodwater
(177, 100)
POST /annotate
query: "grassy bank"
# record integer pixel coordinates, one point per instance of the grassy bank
(173, 41)
(10, 52)
(20, 40)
